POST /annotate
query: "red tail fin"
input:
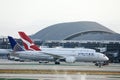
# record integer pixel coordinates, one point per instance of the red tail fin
(28, 43)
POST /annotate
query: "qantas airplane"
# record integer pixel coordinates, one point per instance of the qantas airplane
(67, 54)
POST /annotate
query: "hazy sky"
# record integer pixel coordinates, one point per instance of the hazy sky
(31, 16)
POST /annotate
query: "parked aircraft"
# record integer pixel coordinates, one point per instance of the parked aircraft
(21, 54)
(4, 51)
(67, 54)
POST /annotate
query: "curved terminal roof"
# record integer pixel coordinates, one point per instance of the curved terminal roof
(74, 31)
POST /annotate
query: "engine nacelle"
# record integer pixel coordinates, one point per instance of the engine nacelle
(16, 59)
(70, 59)
(13, 58)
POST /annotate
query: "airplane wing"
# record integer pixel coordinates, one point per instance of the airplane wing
(54, 55)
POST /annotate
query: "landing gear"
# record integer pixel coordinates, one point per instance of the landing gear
(99, 64)
(57, 62)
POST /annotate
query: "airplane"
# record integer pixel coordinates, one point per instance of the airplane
(7, 52)
(67, 54)
(4, 51)
(20, 53)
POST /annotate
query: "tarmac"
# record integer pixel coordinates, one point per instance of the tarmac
(60, 76)
(66, 71)
(6, 64)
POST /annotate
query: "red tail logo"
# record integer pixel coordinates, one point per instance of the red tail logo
(28, 43)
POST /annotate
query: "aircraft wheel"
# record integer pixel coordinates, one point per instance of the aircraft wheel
(99, 64)
(57, 62)
(96, 64)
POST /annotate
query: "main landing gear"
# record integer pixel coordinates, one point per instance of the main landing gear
(57, 61)
(100, 64)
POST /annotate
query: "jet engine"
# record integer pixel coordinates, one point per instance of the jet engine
(70, 59)
(13, 58)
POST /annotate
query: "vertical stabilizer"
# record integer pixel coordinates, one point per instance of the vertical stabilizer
(15, 46)
(28, 43)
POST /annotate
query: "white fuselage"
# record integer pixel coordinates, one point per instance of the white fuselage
(4, 51)
(80, 54)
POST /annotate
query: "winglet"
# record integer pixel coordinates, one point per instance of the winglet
(28, 43)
